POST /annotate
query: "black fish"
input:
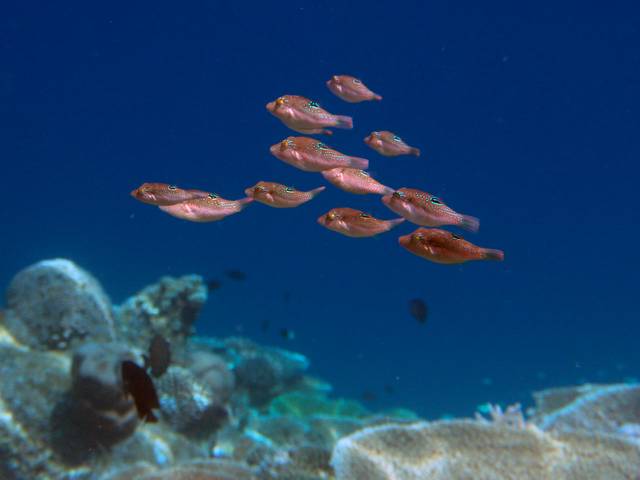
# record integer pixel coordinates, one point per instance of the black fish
(287, 334)
(137, 383)
(213, 285)
(159, 355)
(236, 275)
(418, 310)
(369, 396)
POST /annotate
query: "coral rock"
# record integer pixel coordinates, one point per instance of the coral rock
(213, 372)
(95, 414)
(481, 451)
(595, 409)
(169, 308)
(54, 305)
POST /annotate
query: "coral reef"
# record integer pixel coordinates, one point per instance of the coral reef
(233, 409)
(54, 305)
(481, 451)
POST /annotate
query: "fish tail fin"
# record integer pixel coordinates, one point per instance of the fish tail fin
(316, 191)
(360, 163)
(395, 222)
(387, 190)
(377, 97)
(343, 121)
(245, 201)
(491, 254)
(414, 151)
(469, 223)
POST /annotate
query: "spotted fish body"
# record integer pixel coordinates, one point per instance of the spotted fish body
(389, 144)
(164, 194)
(424, 209)
(310, 155)
(440, 246)
(280, 196)
(207, 209)
(355, 223)
(306, 116)
(356, 181)
(351, 89)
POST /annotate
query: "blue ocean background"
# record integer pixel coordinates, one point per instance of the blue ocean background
(527, 116)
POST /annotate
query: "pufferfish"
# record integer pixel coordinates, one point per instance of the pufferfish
(440, 246)
(355, 223)
(306, 116)
(351, 89)
(164, 194)
(425, 209)
(389, 144)
(310, 155)
(356, 181)
(278, 195)
(207, 209)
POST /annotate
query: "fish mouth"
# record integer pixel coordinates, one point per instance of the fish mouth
(386, 199)
(271, 106)
(404, 240)
(249, 191)
(322, 220)
(135, 193)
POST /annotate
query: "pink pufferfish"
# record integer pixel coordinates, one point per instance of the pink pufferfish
(427, 210)
(207, 209)
(351, 89)
(355, 223)
(389, 144)
(310, 155)
(278, 195)
(306, 116)
(354, 180)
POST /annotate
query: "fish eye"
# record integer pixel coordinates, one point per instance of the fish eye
(399, 194)
(213, 196)
(289, 189)
(321, 146)
(172, 187)
(396, 138)
(376, 134)
(436, 201)
(417, 237)
(363, 173)
(331, 216)
(456, 237)
(364, 215)
(313, 104)
(356, 81)
(260, 188)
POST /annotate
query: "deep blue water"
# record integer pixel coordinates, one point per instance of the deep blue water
(527, 116)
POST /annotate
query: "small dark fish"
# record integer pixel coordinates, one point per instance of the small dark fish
(213, 285)
(369, 396)
(137, 383)
(237, 275)
(419, 310)
(389, 390)
(264, 326)
(287, 334)
(159, 357)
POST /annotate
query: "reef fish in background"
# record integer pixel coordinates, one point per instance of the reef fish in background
(159, 357)
(440, 246)
(355, 223)
(213, 285)
(389, 144)
(280, 196)
(424, 209)
(137, 383)
(354, 180)
(164, 194)
(237, 275)
(287, 334)
(351, 89)
(306, 116)
(310, 155)
(418, 310)
(207, 209)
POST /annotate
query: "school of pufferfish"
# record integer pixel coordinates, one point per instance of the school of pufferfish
(343, 171)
